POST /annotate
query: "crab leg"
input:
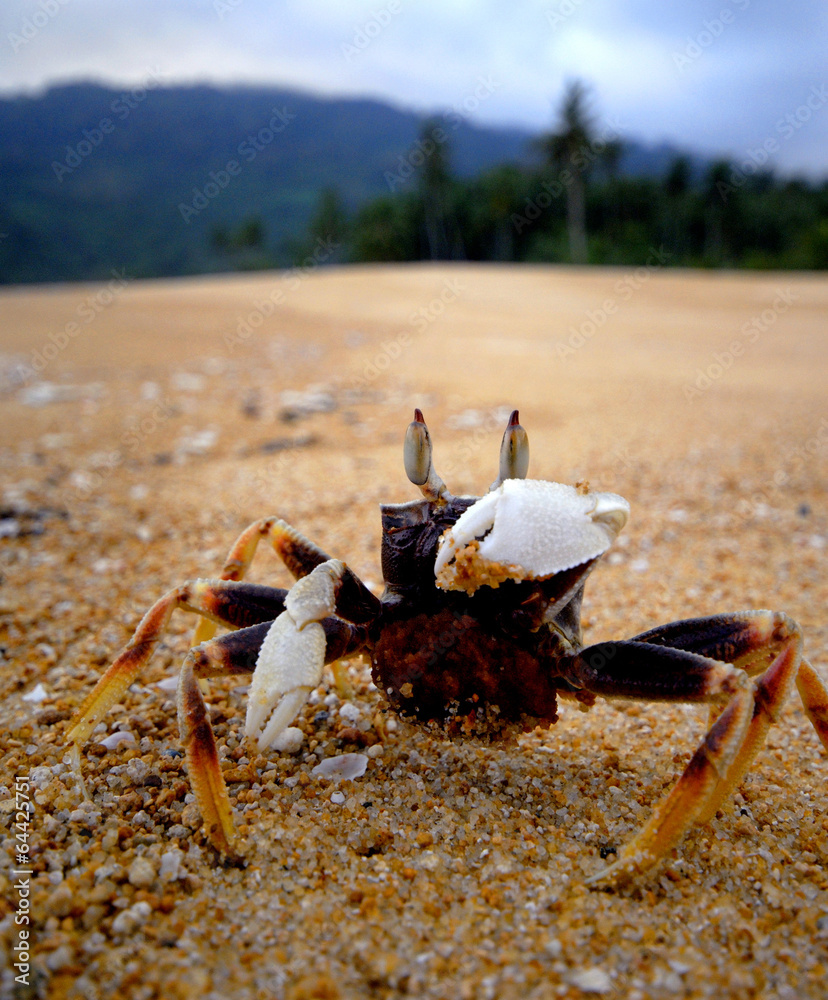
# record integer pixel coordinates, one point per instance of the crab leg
(814, 694)
(234, 605)
(298, 553)
(721, 636)
(286, 657)
(199, 742)
(236, 653)
(749, 640)
(233, 654)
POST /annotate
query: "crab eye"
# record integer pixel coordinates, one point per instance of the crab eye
(417, 451)
(417, 459)
(514, 452)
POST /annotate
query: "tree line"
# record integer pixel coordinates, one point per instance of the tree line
(574, 205)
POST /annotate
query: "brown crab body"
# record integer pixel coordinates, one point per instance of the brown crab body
(450, 665)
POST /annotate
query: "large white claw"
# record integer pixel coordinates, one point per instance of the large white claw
(527, 529)
(292, 656)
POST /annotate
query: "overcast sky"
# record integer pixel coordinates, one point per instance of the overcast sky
(728, 76)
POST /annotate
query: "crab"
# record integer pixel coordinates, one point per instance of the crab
(478, 629)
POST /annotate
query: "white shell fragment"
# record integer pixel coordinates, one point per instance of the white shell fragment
(346, 766)
(530, 529)
(37, 694)
(116, 739)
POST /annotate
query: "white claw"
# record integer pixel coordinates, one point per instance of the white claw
(530, 529)
(312, 598)
(286, 711)
(292, 656)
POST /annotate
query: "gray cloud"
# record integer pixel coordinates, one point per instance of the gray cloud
(715, 76)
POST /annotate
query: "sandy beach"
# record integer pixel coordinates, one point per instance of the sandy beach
(146, 423)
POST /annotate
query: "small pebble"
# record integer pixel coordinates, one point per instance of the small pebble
(37, 694)
(593, 980)
(141, 873)
(170, 865)
(137, 770)
(59, 958)
(289, 740)
(131, 919)
(349, 712)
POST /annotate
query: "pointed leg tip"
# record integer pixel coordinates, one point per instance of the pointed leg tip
(619, 872)
(228, 847)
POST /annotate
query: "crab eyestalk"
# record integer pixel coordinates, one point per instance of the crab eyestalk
(514, 452)
(417, 458)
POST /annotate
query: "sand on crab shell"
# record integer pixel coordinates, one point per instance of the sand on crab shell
(138, 444)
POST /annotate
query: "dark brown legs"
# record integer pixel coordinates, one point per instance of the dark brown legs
(745, 663)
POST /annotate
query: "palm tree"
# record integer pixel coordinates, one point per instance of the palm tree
(330, 226)
(570, 151)
(435, 189)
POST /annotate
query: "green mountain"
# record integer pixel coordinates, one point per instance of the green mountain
(184, 180)
(94, 179)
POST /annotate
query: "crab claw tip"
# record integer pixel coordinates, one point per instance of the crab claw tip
(610, 510)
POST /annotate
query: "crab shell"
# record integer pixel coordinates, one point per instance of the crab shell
(527, 529)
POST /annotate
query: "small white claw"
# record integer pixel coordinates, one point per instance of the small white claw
(533, 529)
(292, 656)
(312, 598)
(289, 667)
(285, 712)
